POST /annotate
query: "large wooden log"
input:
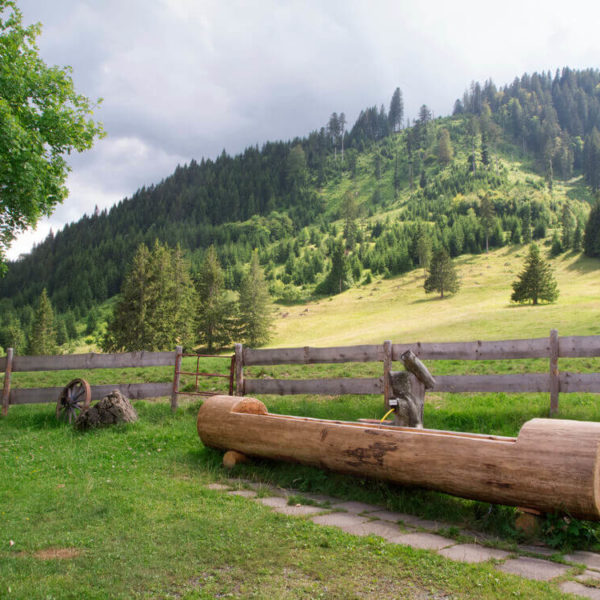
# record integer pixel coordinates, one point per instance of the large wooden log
(551, 466)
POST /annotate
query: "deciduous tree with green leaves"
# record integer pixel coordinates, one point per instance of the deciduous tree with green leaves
(42, 119)
(536, 282)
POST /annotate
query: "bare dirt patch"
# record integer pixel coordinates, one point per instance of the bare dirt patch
(57, 553)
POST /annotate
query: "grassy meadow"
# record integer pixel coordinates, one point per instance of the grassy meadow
(123, 512)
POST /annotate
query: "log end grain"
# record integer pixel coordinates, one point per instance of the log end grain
(232, 458)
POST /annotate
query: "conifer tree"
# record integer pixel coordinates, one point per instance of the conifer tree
(255, 313)
(536, 282)
(14, 337)
(591, 240)
(396, 110)
(339, 277)
(61, 332)
(155, 309)
(43, 332)
(442, 275)
(215, 323)
(487, 216)
(445, 152)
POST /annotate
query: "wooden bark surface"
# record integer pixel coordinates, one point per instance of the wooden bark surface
(133, 391)
(551, 466)
(93, 361)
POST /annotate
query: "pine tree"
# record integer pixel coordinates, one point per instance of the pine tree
(61, 332)
(339, 277)
(214, 322)
(43, 333)
(442, 274)
(487, 215)
(155, 308)
(591, 240)
(536, 282)
(445, 152)
(568, 227)
(255, 313)
(396, 110)
(424, 250)
(14, 336)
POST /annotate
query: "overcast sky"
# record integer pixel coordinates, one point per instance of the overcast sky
(185, 79)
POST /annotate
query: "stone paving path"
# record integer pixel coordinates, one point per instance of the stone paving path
(358, 518)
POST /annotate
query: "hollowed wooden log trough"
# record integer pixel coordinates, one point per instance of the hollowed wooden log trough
(552, 466)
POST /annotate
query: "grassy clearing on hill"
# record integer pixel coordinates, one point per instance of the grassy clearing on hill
(399, 310)
(121, 513)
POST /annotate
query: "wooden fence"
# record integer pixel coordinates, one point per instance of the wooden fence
(553, 382)
(134, 391)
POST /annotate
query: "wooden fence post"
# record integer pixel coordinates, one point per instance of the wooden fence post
(554, 376)
(7, 376)
(239, 370)
(176, 377)
(387, 367)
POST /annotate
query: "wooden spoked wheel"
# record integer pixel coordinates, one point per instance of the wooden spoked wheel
(74, 399)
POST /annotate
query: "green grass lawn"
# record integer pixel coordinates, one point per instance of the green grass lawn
(122, 513)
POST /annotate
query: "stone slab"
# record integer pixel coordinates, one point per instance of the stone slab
(424, 523)
(590, 559)
(542, 550)
(243, 493)
(572, 587)
(298, 510)
(356, 507)
(388, 515)
(533, 568)
(320, 498)
(387, 531)
(473, 553)
(217, 487)
(273, 501)
(425, 541)
(589, 574)
(344, 521)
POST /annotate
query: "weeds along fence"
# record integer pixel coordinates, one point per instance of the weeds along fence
(552, 382)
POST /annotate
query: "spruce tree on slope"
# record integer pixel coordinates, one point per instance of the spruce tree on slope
(536, 282)
(442, 275)
(255, 313)
(43, 332)
(155, 308)
(591, 240)
(215, 323)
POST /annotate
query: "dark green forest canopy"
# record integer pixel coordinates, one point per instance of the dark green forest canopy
(280, 199)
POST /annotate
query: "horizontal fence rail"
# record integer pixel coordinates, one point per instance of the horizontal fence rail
(133, 391)
(551, 348)
(78, 362)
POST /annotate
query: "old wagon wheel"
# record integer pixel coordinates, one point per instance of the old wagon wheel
(74, 399)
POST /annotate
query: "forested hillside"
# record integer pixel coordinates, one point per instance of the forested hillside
(344, 205)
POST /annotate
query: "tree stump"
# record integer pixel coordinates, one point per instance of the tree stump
(112, 409)
(410, 402)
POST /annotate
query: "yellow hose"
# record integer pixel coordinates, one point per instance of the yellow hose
(387, 414)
